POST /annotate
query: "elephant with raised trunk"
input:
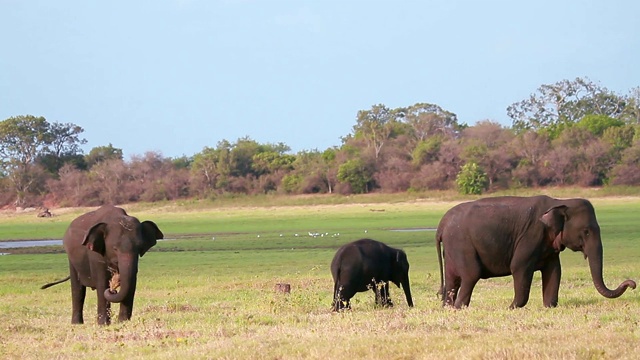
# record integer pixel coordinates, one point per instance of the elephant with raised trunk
(517, 236)
(368, 264)
(103, 247)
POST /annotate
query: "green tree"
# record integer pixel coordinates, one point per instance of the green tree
(426, 151)
(355, 173)
(291, 183)
(375, 126)
(471, 180)
(210, 168)
(620, 137)
(241, 157)
(182, 162)
(328, 168)
(631, 112)
(102, 153)
(427, 120)
(269, 162)
(22, 139)
(64, 148)
(597, 124)
(317, 171)
(555, 106)
(65, 139)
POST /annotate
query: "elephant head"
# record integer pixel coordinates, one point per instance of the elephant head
(573, 224)
(121, 241)
(400, 274)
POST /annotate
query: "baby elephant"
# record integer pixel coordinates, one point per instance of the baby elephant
(368, 264)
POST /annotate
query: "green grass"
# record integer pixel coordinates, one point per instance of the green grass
(176, 219)
(200, 297)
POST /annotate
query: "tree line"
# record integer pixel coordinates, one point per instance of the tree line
(573, 132)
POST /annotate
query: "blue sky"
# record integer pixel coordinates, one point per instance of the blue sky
(176, 76)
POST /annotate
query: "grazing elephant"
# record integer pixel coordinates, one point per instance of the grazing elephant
(517, 236)
(368, 264)
(103, 247)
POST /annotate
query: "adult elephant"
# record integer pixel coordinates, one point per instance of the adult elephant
(368, 264)
(103, 247)
(517, 236)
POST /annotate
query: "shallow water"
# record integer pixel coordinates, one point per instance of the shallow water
(28, 243)
(51, 242)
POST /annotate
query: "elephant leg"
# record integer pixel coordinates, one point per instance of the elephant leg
(377, 293)
(343, 297)
(381, 292)
(466, 289)
(78, 294)
(469, 276)
(126, 308)
(104, 312)
(551, 274)
(104, 307)
(336, 304)
(522, 279)
(451, 287)
(385, 299)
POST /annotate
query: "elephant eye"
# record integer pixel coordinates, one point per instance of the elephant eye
(586, 232)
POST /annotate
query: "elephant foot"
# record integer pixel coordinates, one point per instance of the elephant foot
(340, 305)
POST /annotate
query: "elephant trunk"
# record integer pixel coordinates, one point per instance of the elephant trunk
(407, 290)
(128, 272)
(594, 254)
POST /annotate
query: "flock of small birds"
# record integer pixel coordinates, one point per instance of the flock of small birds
(311, 234)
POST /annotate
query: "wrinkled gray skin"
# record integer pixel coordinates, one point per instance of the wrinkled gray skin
(517, 236)
(368, 264)
(99, 244)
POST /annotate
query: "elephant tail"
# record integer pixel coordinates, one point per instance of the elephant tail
(337, 289)
(440, 267)
(335, 303)
(55, 283)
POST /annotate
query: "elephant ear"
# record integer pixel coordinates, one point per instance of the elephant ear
(94, 238)
(150, 234)
(401, 259)
(554, 218)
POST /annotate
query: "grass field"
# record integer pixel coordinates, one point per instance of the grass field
(207, 291)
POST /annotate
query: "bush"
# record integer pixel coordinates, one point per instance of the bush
(354, 173)
(291, 183)
(471, 179)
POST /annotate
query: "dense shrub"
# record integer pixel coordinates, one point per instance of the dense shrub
(471, 180)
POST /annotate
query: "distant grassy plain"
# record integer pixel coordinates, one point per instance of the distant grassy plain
(207, 291)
